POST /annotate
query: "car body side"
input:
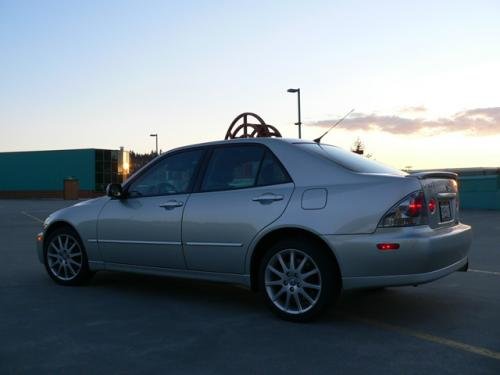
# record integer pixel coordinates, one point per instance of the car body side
(338, 208)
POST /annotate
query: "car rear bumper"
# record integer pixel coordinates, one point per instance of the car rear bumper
(401, 280)
(424, 255)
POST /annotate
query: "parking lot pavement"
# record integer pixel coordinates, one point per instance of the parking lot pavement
(124, 323)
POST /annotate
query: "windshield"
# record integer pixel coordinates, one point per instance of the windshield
(350, 160)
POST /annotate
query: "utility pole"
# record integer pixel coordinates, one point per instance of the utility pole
(299, 123)
(156, 136)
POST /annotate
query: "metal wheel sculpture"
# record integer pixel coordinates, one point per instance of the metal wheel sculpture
(249, 130)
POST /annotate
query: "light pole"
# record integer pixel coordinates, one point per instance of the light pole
(156, 136)
(299, 123)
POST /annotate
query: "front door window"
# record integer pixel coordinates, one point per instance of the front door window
(172, 175)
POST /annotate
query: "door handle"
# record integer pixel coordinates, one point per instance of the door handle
(171, 204)
(268, 198)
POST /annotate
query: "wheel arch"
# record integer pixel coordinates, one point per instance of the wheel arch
(272, 237)
(59, 224)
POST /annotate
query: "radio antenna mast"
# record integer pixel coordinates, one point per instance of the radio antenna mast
(318, 140)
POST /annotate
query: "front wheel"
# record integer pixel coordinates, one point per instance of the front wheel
(65, 258)
(298, 280)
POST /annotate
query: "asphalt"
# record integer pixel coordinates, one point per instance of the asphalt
(123, 323)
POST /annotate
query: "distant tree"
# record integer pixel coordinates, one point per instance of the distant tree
(358, 147)
(137, 161)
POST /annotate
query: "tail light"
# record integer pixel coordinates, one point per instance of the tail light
(409, 211)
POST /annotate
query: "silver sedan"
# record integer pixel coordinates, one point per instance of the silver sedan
(296, 220)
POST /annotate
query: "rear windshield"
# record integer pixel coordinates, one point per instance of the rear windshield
(350, 160)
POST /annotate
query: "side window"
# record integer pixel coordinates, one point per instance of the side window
(172, 175)
(233, 168)
(271, 172)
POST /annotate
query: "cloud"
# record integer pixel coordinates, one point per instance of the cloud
(478, 121)
(415, 109)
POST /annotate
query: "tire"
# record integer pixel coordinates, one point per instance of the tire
(309, 283)
(65, 258)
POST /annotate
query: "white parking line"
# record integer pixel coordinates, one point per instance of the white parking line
(486, 272)
(431, 338)
(32, 217)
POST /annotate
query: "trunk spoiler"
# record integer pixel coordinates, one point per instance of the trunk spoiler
(435, 174)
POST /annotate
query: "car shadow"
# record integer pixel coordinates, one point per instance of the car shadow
(177, 289)
(421, 305)
(402, 304)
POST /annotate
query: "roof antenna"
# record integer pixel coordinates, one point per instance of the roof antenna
(318, 140)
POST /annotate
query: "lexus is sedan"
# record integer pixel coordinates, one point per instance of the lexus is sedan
(296, 220)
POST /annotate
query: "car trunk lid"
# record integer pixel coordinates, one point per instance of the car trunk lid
(442, 188)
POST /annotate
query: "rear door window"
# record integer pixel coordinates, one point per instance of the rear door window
(272, 172)
(239, 167)
(232, 168)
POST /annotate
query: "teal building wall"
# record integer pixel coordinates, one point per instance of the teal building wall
(46, 170)
(480, 192)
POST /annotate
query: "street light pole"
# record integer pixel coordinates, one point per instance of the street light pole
(299, 123)
(156, 136)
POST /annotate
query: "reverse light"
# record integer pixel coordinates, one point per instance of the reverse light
(432, 205)
(407, 212)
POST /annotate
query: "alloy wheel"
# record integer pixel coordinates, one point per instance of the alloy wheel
(293, 281)
(64, 257)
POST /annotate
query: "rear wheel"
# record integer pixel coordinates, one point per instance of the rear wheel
(65, 258)
(297, 279)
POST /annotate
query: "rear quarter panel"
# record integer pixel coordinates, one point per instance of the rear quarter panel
(353, 205)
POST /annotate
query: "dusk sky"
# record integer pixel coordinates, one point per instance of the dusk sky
(423, 77)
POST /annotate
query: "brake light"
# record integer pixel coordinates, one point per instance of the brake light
(407, 212)
(416, 204)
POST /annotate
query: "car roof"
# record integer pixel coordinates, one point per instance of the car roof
(259, 140)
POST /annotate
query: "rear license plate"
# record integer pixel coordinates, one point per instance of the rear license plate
(445, 211)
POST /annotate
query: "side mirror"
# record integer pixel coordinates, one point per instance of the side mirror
(115, 191)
